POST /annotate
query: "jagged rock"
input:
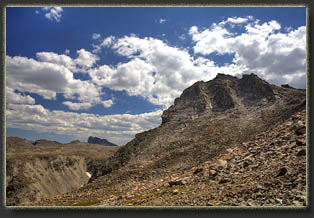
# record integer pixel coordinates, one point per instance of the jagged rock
(178, 181)
(223, 180)
(113, 197)
(301, 152)
(301, 130)
(175, 182)
(254, 90)
(222, 99)
(281, 172)
(222, 163)
(229, 150)
(212, 173)
(245, 164)
(300, 141)
(197, 170)
(175, 191)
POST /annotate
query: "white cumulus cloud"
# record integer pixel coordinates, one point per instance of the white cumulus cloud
(107, 103)
(156, 71)
(53, 13)
(85, 59)
(17, 98)
(51, 57)
(106, 43)
(51, 74)
(81, 63)
(77, 106)
(262, 49)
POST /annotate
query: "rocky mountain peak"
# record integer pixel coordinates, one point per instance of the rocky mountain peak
(223, 93)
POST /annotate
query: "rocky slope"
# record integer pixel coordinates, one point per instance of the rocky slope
(205, 122)
(99, 141)
(269, 170)
(43, 169)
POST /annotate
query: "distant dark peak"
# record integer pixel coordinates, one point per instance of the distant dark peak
(287, 86)
(99, 141)
(253, 89)
(75, 141)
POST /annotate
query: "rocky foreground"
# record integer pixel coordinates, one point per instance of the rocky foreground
(267, 171)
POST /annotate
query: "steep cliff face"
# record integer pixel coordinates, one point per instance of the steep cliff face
(255, 91)
(44, 169)
(43, 177)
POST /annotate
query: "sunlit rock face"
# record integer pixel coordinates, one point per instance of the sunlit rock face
(43, 177)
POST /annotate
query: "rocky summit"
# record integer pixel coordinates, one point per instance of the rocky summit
(226, 142)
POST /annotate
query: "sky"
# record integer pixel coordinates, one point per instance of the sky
(74, 72)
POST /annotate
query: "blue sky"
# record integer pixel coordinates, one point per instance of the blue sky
(109, 72)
